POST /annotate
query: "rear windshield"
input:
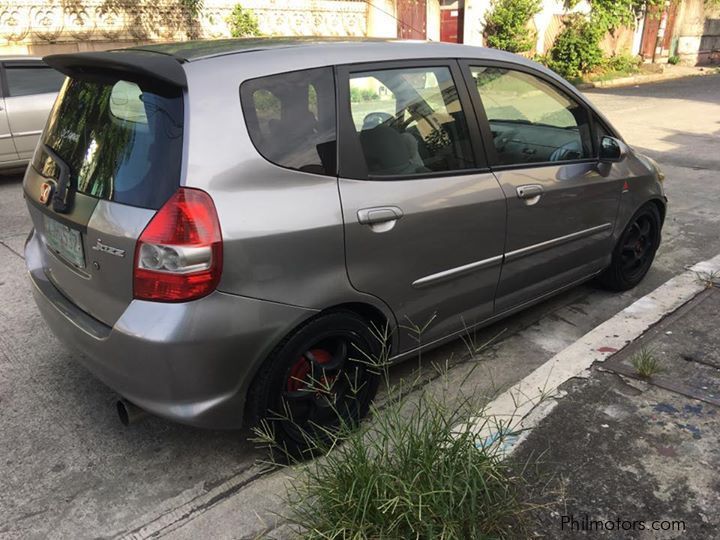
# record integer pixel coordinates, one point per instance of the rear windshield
(122, 142)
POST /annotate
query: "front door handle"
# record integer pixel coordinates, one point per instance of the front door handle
(530, 193)
(379, 214)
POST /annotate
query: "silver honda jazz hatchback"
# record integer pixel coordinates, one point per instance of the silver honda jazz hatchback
(228, 230)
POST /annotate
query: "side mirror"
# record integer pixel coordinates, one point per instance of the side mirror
(612, 150)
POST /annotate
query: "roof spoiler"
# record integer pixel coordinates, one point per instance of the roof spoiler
(131, 65)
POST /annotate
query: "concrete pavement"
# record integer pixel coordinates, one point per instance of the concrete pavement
(622, 456)
(71, 470)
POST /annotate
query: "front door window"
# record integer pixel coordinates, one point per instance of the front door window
(531, 122)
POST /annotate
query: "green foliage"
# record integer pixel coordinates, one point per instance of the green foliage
(194, 7)
(623, 63)
(646, 363)
(609, 15)
(414, 473)
(362, 94)
(674, 60)
(577, 48)
(428, 464)
(243, 22)
(191, 10)
(506, 26)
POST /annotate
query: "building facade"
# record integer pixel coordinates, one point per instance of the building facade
(687, 28)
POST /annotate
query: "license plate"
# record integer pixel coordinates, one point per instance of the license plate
(64, 241)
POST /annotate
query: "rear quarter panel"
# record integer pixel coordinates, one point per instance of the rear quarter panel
(282, 229)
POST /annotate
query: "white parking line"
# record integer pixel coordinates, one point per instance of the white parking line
(521, 407)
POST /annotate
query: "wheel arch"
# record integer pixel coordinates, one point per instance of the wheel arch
(661, 206)
(375, 315)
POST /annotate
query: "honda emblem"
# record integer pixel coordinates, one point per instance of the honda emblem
(45, 192)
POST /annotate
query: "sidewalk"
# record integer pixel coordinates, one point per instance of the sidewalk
(667, 73)
(621, 448)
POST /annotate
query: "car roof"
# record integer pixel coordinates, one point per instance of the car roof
(190, 51)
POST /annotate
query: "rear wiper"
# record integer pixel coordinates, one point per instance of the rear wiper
(61, 198)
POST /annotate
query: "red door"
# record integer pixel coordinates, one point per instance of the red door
(451, 25)
(412, 19)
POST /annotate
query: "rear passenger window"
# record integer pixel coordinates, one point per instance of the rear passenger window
(291, 119)
(29, 80)
(531, 121)
(409, 121)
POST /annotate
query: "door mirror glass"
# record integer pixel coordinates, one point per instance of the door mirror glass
(611, 149)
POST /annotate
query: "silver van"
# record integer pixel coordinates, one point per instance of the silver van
(221, 227)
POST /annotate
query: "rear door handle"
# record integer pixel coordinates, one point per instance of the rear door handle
(379, 214)
(530, 193)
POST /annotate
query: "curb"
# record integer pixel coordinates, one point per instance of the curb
(643, 79)
(520, 408)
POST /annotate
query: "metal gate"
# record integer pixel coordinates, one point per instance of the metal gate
(412, 19)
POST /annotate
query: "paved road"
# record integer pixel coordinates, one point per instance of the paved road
(69, 469)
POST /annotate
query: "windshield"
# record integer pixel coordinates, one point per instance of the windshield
(121, 142)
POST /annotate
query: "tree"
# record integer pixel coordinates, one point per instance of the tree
(243, 22)
(506, 26)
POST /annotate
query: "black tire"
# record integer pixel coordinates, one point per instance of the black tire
(635, 251)
(320, 392)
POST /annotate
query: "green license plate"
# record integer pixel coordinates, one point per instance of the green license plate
(64, 241)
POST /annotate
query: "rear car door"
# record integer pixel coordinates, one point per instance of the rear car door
(424, 217)
(31, 88)
(561, 208)
(7, 148)
(109, 157)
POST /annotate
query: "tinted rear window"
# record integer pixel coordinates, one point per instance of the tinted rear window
(121, 141)
(291, 119)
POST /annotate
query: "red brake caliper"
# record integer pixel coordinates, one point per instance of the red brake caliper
(301, 369)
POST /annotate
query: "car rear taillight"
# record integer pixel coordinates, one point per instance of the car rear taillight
(178, 256)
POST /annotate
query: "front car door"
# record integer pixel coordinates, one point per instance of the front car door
(424, 217)
(31, 88)
(562, 206)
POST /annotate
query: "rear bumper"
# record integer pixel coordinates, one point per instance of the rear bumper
(189, 362)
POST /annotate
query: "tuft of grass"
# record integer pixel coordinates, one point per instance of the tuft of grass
(709, 279)
(424, 465)
(413, 472)
(646, 363)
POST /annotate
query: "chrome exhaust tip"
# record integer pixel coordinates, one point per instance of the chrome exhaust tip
(129, 413)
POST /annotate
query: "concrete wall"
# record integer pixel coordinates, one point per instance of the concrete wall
(433, 20)
(46, 26)
(697, 31)
(381, 20)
